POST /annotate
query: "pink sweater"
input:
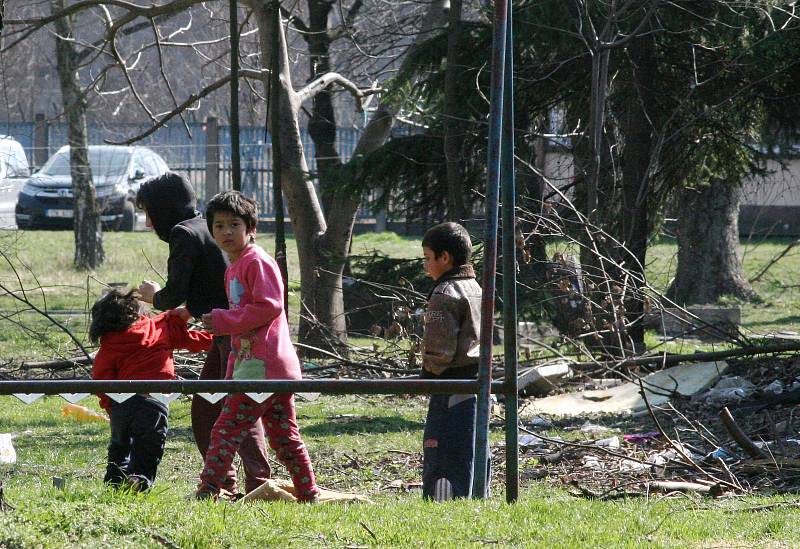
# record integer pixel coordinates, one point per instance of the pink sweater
(261, 347)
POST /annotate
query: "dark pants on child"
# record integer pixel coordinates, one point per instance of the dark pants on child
(278, 415)
(138, 431)
(448, 453)
(253, 450)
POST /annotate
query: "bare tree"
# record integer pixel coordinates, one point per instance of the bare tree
(323, 238)
(86, 215)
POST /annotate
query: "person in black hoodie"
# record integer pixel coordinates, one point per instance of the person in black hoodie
(196, 277)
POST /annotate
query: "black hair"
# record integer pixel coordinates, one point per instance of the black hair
(234, 203)
(113, 312)
(168, 200)
(451, 238)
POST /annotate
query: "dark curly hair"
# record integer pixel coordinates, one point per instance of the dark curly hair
(113, 312)
(235, 203)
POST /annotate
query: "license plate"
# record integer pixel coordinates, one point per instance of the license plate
(58, 213)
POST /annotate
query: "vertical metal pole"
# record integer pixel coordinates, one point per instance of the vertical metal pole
(509, 190)
(236, 166)
(480, 480)
(273, 110)
(212, 157)
(41, 141)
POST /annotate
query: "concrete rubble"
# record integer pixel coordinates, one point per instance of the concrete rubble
(685, 379)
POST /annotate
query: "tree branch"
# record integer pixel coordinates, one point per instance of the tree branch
(331, 78)
(162, 121)
(134, 11)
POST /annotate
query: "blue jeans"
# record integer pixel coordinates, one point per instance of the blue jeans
(138, 433)
(448, 454)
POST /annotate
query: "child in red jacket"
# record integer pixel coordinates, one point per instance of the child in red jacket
(136, 346)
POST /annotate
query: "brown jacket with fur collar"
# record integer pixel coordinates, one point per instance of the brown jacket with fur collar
(450, 345)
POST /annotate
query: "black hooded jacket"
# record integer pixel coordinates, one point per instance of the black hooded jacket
(196, 266)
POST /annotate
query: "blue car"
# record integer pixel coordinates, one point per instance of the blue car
(46, 200)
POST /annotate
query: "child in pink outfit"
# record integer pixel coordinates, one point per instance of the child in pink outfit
(261, 348)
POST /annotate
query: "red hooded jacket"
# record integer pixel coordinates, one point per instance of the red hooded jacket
(144, 350)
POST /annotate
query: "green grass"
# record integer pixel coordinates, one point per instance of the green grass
(357, 444)
(41, 262)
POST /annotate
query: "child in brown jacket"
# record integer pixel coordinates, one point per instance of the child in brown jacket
(450, 350)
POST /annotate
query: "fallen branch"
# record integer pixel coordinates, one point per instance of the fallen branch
(676, 486)
(670, 360)
(739, 436)
(61, 364)
(679, 448)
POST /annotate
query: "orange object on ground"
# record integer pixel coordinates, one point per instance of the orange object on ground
(82, 413)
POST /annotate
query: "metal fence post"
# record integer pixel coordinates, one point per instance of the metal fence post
(236, 166)
(41, 141)
(508, 182)
(212, 157)
(480, 485)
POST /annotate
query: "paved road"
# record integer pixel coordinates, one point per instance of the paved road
(7, 221)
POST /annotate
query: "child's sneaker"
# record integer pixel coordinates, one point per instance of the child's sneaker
(135, 483)
(313, 500)
(205, 493)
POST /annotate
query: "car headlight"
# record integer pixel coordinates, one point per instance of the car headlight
(120, 189)
(102, 192)
(29, 189)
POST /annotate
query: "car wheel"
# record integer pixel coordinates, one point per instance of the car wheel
(128, 220)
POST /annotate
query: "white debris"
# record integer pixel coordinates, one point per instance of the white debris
(592, 462)
(7, 452)
(593, 428)
(611, 442)
(530, 441)
(684, 380)
(631, 465)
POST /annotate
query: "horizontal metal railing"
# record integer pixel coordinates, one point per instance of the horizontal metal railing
(325, 386)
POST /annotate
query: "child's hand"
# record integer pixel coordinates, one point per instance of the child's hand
(146, 290)
(208, 322)
(182, 313)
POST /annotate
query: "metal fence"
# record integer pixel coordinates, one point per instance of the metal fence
(186, 152)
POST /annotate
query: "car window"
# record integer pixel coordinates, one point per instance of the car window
(105, 161)
(18, 165)
(13, 163)
(138, 164)
(151, 165)
(161, 165)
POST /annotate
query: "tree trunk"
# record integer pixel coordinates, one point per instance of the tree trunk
(709, 264)
(532, 259)
(86, 215)
(634, 226)
(322, 244)
(322, 126)
(322, 305)
(453, 127)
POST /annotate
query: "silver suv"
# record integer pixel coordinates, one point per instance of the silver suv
(13, 173)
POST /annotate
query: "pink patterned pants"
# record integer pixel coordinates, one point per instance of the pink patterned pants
(238, 414)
